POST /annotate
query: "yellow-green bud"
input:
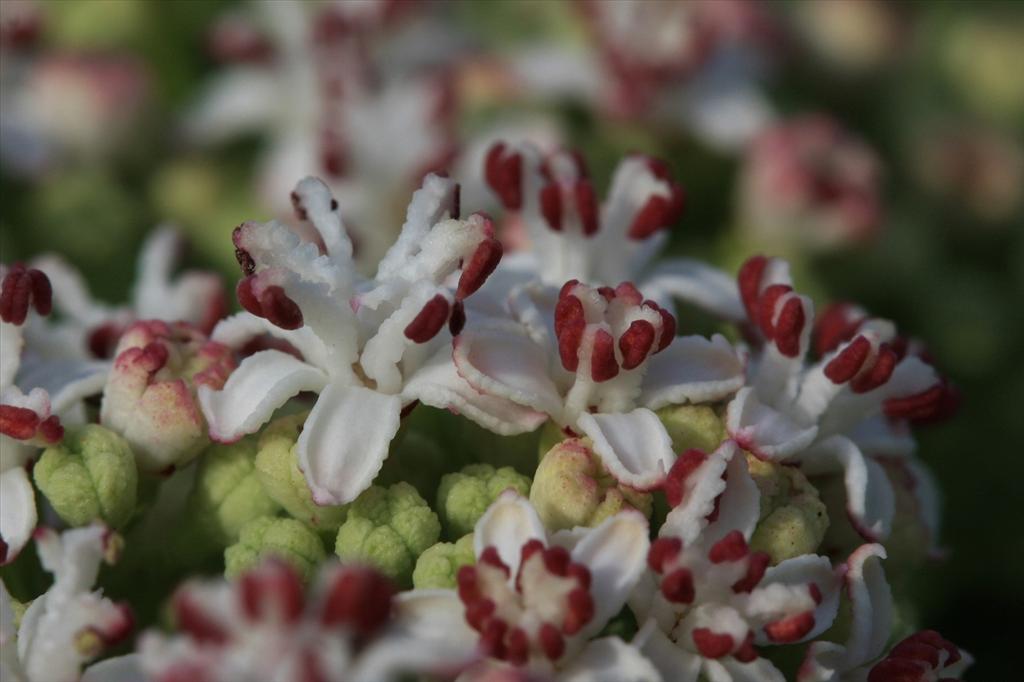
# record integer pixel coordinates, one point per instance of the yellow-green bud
(692, 426)
(573, 488)
(438, 566)
(228, 493)
(286, 539)
(90, 475)
(550, 436)
(793, 518)
(388, 528)
(277, 465)
(464, 496)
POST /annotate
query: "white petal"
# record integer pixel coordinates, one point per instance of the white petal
(926, 493)
(261, 384)
(675, 663)
(18, 512)
(70, 293)
(11, 342)
(508, 524)
(431, 203)
(739, 508)
(438, 384)
(616, 554)
(698, 284)
(118, 669)
(239, 100)
(504, 361)
(610, 659)
(394, 658)
(767, 433)
(799, 572)
(634, 446)
(730, 670)
(687, 520)
(432, 614)
(345, 441)
(69, 381)
(237, 330)
(870, 501)
(871, 601)
(692, 370)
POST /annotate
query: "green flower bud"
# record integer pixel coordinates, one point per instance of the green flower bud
(464, 496)
(573, 488)
(388, 528)
(90, 475)
(277, 466)
(227, 493)
(793, 518)
(286, 539)
(438, 565)
(551, 434)
(692, 426)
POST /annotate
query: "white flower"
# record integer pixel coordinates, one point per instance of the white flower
(535, 602)
(834, 415)
(598, 361)
(70, 624)
(267, 626)
(368, 347)
(921, 656)
(707, 599)
(571, 236)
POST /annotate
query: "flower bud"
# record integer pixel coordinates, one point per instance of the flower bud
(227, 493)
(90, 475)
(572, 488)
(692, 427)
(464, 496)
(286, 539)
(439, 565)
(150, 396)
(793, 518)
(277, 467)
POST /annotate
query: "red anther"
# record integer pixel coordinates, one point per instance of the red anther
(659, 168)
(154, 356)
(517, 647)
(766, 308)
(492, 638)
(21, 288)
(816, 594)
(662, 551)
(490, 557)
(586, 207)
(480, 266)
(273, 591)
(564, 291)
(635, 343)
(918, 406)
(42, 292)
(551, 641)
(746, 653)
(749, 280)
(838, 323)
(458, 318)
(581, 610)
(655, 215)
(503, 173)
(682, 469)
(429, 321)
(845, 366)
(556, 560)
(581, 574)
(194, 621)
(19, 423)
(879, 373)
(456, 209)
(668, 329)
(570, 323)
(677, 586)
(479, 612)
(247, 297)
(934, 639)
(602, 357)
(529, 549)
(330, 25)
(4, 552)
(790, 629)
(899, 670)
(360, 598)
(628, 292)
(732, 547)
(309, 665)
(467, 583)
(712, 644)
(119, 630)
(551, 205)
(789, 326)
(51, 429)
(279, 309)
(243, 257)
(607, 293)
(756, 566)
(102, 340)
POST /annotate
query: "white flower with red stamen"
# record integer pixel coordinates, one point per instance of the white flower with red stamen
(921, 657)
(150, 394)
(572, 236)
(830, 416)
(70, 624)
(303, 74)
(536, 602)
(598, 361)
(268, 626)
(369, 348)
(808, 184)
(707, 599)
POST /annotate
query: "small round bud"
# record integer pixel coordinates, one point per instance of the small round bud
(286, 539)
(692, 427)
(572, 488)
(439, 565)
(90, 475)
(464, 496)
(793, 518)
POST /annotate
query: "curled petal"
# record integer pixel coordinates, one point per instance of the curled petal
(698, 284)
(672, 661)
(18, 516)
(800, 573)
(692, 369)
(764, 431)
(610, 659)
(634, 446)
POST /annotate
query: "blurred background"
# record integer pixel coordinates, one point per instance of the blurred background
(878, 145)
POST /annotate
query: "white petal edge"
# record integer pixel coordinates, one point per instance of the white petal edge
(610, 659)
(508, 524)
(675, 663)
(764, 431)
(18, 513)
(634, 446)
(803, 570)
(693, 370)
(118, 669)
(698, 284)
